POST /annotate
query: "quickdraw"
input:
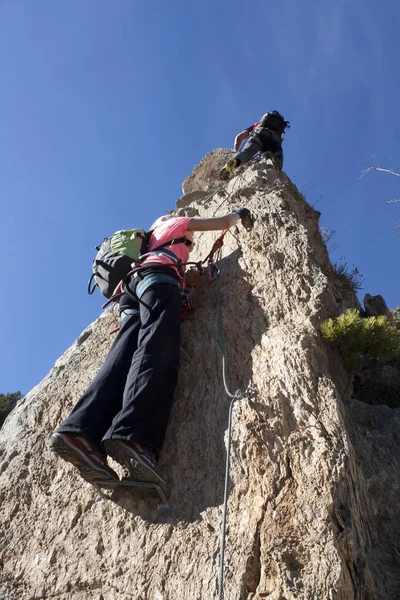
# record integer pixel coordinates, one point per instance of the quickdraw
(212, 269)
(219, 242)
(192, 280)
(187, 305)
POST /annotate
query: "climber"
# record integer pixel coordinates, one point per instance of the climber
(124, 412)
(265, 136)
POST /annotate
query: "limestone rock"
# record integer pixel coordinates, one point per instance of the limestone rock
(314, 482)
(366, 502)
(205, 174)
(376, 306)
(187, 199)
(379, 384)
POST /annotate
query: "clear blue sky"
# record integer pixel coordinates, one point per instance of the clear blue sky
(107, 106)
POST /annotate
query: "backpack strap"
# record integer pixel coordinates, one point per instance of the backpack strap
(91, 286)
(181, 240)
(146, 238)
(161, 249)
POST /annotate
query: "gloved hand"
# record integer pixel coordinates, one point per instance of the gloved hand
(242, 212)
(245, 217)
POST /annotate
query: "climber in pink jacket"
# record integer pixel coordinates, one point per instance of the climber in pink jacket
(124, 412)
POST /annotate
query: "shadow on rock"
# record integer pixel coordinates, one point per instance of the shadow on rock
(365, 509)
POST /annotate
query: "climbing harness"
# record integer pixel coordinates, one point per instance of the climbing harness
(136, 271)
(120, 289)
(187, 292)
(116, 255)
(187, 305)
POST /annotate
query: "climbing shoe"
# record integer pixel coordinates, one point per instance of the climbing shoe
(226, 170)
(85, 456)
(139, 460)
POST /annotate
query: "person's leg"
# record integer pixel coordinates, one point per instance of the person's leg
(251, 147)
(278, 160)
(271, 148)
(151, 381)
(102, 400)
(77, 439)
(137, 432)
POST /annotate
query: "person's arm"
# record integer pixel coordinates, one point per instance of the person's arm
(239, 139)
(216, 223)
(213, 223)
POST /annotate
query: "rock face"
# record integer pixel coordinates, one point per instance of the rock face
(375, 306)
(314, 482)
(204, 176)
(379, 384)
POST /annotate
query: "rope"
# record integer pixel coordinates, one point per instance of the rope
(227, 194)
(225, 510)
(238, 393)
(216, 246)
(236, 396)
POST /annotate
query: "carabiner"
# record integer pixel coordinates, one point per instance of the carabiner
(213, 270)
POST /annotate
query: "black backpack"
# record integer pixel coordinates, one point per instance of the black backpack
(274, 120)
(119, 254)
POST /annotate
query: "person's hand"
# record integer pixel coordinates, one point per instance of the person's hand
(242, 212)
(245, 217)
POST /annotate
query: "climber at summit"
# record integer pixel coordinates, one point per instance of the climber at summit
(265, 137)
(125, 410)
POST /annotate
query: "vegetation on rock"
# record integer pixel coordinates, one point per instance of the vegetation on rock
(7, 403)
(351, 279)
(396, 317)
(362, 341)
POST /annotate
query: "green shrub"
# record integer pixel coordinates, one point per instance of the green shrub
(7, 403)
(362, 341)
(396, 317)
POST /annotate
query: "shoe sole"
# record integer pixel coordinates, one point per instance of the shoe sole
(137, 471)
(60, 446)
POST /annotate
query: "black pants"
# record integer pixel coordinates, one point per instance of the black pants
(131, 396)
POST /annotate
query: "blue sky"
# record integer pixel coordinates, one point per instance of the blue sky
(107, 106)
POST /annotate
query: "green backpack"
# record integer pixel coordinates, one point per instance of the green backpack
(116, 255)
